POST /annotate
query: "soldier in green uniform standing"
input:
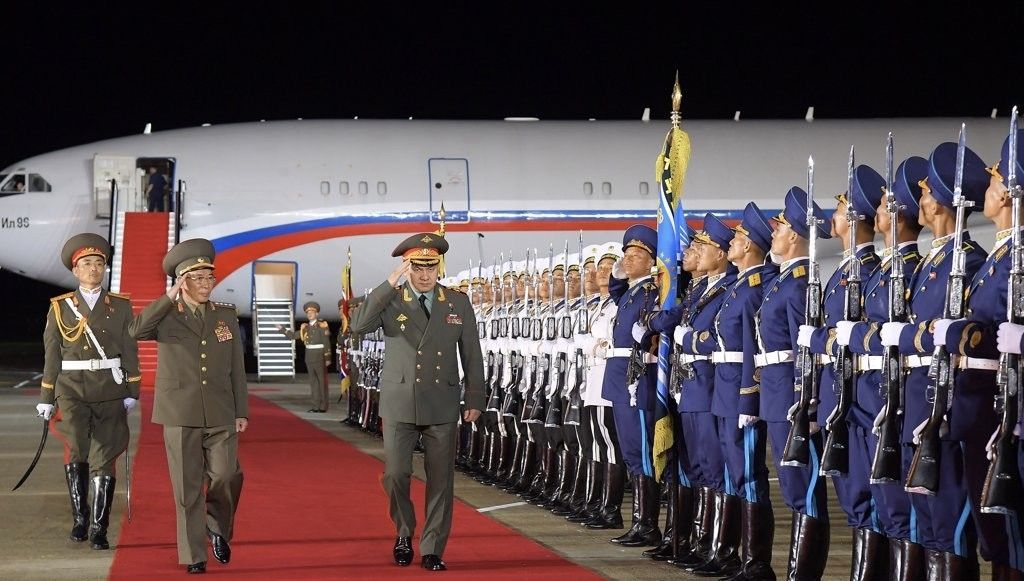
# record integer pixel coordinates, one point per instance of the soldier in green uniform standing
(427, 329)
(316, 336)
(201, 400)
(91, 374)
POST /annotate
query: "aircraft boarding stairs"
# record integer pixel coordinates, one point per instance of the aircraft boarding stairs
(273, 300)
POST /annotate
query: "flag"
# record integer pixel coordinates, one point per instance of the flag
(670, 172)
(346, 296)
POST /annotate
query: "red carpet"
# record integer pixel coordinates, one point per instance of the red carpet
(312, 507)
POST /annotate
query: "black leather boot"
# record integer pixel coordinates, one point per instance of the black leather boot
(506, 459)
(698, 546)
(935, 565)
(540, 476)
(562, 505)
(869, 561)
(666, 548)
(556, 470)
(758, 536)
(683, 524)
(77, 474)
(914, 562)
(609, 515)
(725, 539)
(645, 533)
(525, 455)
(586, 474)
(808, 549)
(959, 568)
(103, 501)
(1002, 572)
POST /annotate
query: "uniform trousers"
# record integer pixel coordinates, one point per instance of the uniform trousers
(197, 456)
(635, 429)
(96, 433)
(743, 451)
(606, 439)
(802, 488)
(705, 465)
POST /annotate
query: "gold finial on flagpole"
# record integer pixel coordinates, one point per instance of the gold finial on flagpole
(677, 100)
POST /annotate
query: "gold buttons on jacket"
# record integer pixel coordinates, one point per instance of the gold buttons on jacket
(418, 366)
(204, 369)
(204, 382)
(419, 353)
(203, 355)
(203, 342)
(417, 380)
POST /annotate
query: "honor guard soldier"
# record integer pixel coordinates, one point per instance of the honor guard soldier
(201, 400)
(426, 330)
(778, 322)
(943, 523)
(851, 481)
(513, 441)
(889, 501)
(316, 337)
(534, 410)
(91, 374)
(736, 400)
(569, 401)
(974, 340)
(629, 380)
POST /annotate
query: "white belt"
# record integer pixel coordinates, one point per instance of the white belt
(727, 357)
(917, 361)
(869, 362)
(687, 358)
(973, 363)
(91, 364)
(628, 352)
(316, 346)
(825, 359)
(772, 358)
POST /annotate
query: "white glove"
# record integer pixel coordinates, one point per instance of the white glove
(601, 351)
(746, 420)
(130, 403)
(876, 427)
(680, 332)
(638, 332)
(1008, 337)
(813, 407)
(890, 334)
(843, 331)
(917, 432)
(44, 410)
(939, 334)
(990, 447)
(803, 338)
(618, 271)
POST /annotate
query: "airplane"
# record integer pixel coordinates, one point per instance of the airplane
(298, 195)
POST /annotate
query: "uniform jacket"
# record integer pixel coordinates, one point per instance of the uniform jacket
(316, 334)
(109, 323)
(696, 393)
(632, 302)
(200, 373)
(419, 383)
(602, 316)
(778, 322)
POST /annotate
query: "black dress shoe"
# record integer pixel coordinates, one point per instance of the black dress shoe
(433, 563)
(221, 548)
(403, 551)
(197, 568)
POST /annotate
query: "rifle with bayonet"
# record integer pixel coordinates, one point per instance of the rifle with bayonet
(923, 476)
(498, 314)
(835, 457)
(888, 462)
(561, 360)
(579, 363)
(1002, 491)
(806, 380)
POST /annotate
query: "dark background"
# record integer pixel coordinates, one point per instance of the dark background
(76, 74)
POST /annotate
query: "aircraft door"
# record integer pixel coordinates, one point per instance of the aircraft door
(120, 170)
(449, 184)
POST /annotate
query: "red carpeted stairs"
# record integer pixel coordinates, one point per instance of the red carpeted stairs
(312, 507)
(142, 277)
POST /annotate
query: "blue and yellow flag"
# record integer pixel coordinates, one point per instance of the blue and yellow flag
(346, 297)
(670, 171)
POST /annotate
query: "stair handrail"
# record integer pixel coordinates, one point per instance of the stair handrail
(179, 202)
(112, 232)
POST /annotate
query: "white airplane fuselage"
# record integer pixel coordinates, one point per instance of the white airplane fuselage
(305, 192)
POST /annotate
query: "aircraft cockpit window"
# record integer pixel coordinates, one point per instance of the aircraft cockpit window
(37, 183)
(15, 185)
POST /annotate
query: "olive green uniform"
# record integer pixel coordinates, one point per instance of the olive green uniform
(200, 391)
(317, 339)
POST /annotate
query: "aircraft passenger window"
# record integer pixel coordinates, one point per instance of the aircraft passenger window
(588, 189)
(15, 185)
(325, 188)
(36, 183)
(343, 188)
(382, 188)
(644, 188)
(363, 188)
(606, 188)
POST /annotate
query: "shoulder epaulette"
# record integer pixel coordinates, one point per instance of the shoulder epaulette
(63, 296)
(799, 271)
(454, 289)
(226, 305)
(911, 254)
(650, 286)
(119, 296)
(323, 324)
(968, 246)
(1002, 251)
(754, 279)
(869, 257)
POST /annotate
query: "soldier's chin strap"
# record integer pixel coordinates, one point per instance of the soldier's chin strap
(115, 371)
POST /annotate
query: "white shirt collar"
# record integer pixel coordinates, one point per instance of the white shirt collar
(788, 263)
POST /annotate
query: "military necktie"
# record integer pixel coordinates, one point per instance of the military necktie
(423, 305)
(199, 313)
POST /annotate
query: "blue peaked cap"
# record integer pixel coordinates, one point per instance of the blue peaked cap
(1004, 159)
(756, 227)
(907, 188)
(795, 214)
(715, 232)
(942, 176)
(868, 188)
(641, 236)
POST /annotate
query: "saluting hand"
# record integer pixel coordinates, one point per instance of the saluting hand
(172, 293)
(401, 272)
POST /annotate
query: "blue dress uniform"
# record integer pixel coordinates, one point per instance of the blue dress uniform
(973, 414)
(891, 504)
(633, 405)
(943, 523)
(852, 489)
(778, 322)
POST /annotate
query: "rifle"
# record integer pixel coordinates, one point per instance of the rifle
(575, 397)
(835, 457)
(561, 362)
(1002, 490)
(887, 463)
(923, 476)
(798, 451)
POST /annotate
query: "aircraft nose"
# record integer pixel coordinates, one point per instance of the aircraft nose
(31, 235)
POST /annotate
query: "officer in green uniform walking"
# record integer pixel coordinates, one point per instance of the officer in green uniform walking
(91, 374)
(316, 336)
(201, 400)
(427, 329)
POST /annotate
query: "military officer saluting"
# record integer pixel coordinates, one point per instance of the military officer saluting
(91, 374)
(427, 328)
(201, 400)
(316, 336)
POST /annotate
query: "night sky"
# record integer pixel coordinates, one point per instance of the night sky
(79, 73)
